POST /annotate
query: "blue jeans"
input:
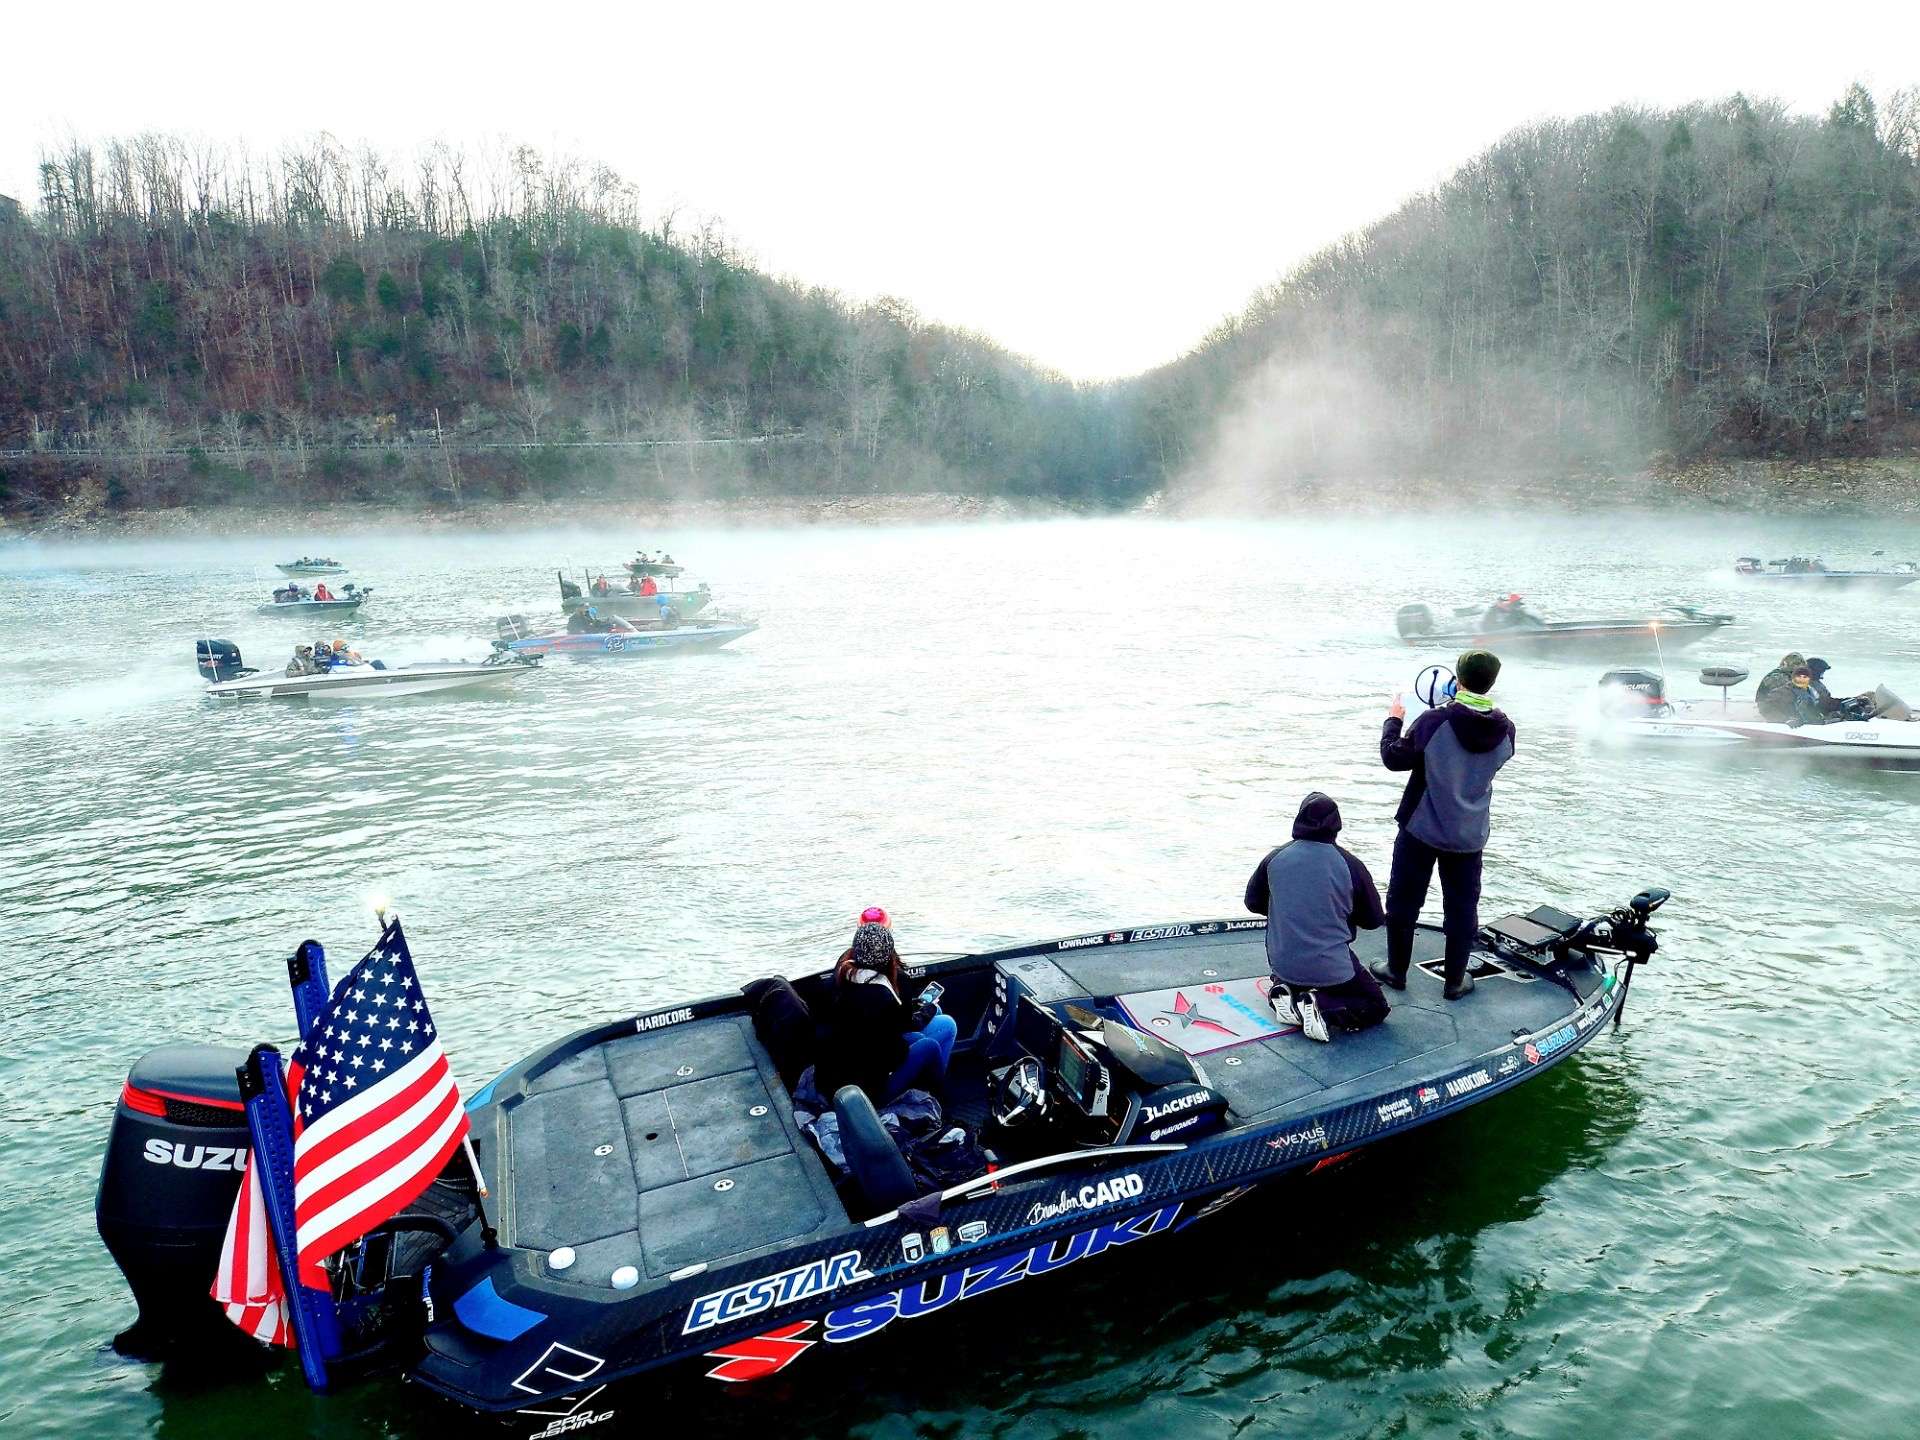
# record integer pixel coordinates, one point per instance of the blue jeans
(928, 1051)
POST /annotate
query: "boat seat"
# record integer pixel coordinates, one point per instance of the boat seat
(879, 1169)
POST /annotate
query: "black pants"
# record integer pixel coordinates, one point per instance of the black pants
(1354, 1004)
(1413, 864)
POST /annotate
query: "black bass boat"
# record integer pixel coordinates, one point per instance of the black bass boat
(1503, 627)
(658, 1201)
(1802, 571)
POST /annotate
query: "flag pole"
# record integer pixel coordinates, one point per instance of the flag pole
(263, 1093)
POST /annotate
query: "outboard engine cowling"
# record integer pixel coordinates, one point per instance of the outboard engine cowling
(1634, 692)
(174, 1159)
(1412, 620)
(217, 659)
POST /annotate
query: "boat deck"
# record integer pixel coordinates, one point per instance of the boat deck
(678, 1147)
(662, 1150)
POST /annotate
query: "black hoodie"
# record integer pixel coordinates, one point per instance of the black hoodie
(1454, 751)
(1315, 896)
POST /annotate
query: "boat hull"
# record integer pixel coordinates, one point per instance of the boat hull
(1570, 636)
(627, 645)
(311, 569)
(363, 682)
(312, 607)
(1881, 580)
(757, 1311)
(1891, 743)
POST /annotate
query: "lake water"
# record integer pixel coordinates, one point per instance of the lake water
(1707, 1224)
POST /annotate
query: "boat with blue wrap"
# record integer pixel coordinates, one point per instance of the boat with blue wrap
(659, 1199)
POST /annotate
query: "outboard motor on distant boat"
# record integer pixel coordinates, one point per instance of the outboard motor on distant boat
(174, 1160)
(1415, 619)
(218, 659)
(1636, 692)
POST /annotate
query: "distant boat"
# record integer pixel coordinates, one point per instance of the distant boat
(298, 603)
(1812, 570)
(219, 661)
(621, 638)
(1517, 629)
(308, 566)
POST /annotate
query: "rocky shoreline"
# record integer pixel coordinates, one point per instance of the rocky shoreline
(1886, 485)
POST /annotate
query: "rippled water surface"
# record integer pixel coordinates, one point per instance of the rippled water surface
(1708, 1223)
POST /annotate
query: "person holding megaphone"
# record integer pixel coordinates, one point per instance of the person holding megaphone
(1445, 816)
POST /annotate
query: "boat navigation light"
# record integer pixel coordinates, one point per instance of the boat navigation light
(380, 903)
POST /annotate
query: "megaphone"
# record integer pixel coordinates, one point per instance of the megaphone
(1435, 686)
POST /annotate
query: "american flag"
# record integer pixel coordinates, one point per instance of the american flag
(376, 1116)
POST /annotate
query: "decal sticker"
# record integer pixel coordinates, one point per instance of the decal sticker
(1081, 942)
(1398, 1109)
(864, 1317)
(1188, 1017)
(1087, 1197)
(1429, 1095)
(761, 1356)
(937, 1237)
(817, 1277)
(1246, 925)
(1316, 1136)
(560, 1366)
(195, 1157)
(1467, 1084)
(661, 1022)
(1175, 1106)
(911, 1246)
(1162, 932)
(1532, 1054)
(1509, 1065)
(972, 1231)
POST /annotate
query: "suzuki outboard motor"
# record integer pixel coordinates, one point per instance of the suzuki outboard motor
(218, 660)
(174, 1160)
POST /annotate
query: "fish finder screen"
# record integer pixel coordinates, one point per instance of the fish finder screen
(1075, 1069)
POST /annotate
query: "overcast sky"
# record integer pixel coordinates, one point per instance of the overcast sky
(1092, 185)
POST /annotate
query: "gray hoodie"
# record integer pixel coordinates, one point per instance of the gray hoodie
(1315, 896)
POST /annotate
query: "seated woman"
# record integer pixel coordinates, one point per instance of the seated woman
(871, 1038)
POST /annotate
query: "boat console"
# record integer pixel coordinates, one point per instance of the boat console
(1075, 1078)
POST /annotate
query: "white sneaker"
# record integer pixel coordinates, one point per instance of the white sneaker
(1283, 1007)
(1312, 1023)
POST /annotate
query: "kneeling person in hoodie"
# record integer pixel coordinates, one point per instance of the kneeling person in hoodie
(1317, 897)
(1454, 751)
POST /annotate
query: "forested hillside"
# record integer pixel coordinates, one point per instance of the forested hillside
(1720, 280)
(179, 325)
(197, 327)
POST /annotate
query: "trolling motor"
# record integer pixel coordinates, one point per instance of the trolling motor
(1621, 932)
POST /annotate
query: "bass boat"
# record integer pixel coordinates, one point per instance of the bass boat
(306, 565)
(1472, 626)
(1638, 711)
(629, 602)
(296, 600)
(663, 1197)
(1803, 571)
(619, 638)
(229, 679)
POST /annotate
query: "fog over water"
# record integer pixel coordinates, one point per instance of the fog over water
(1704, 1224)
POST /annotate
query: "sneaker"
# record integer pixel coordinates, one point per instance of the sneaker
(1383, 972)
(1312, 1023)
(1459, 990)
(1284, 1010)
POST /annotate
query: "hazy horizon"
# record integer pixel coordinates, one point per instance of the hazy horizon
(1093, 189)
